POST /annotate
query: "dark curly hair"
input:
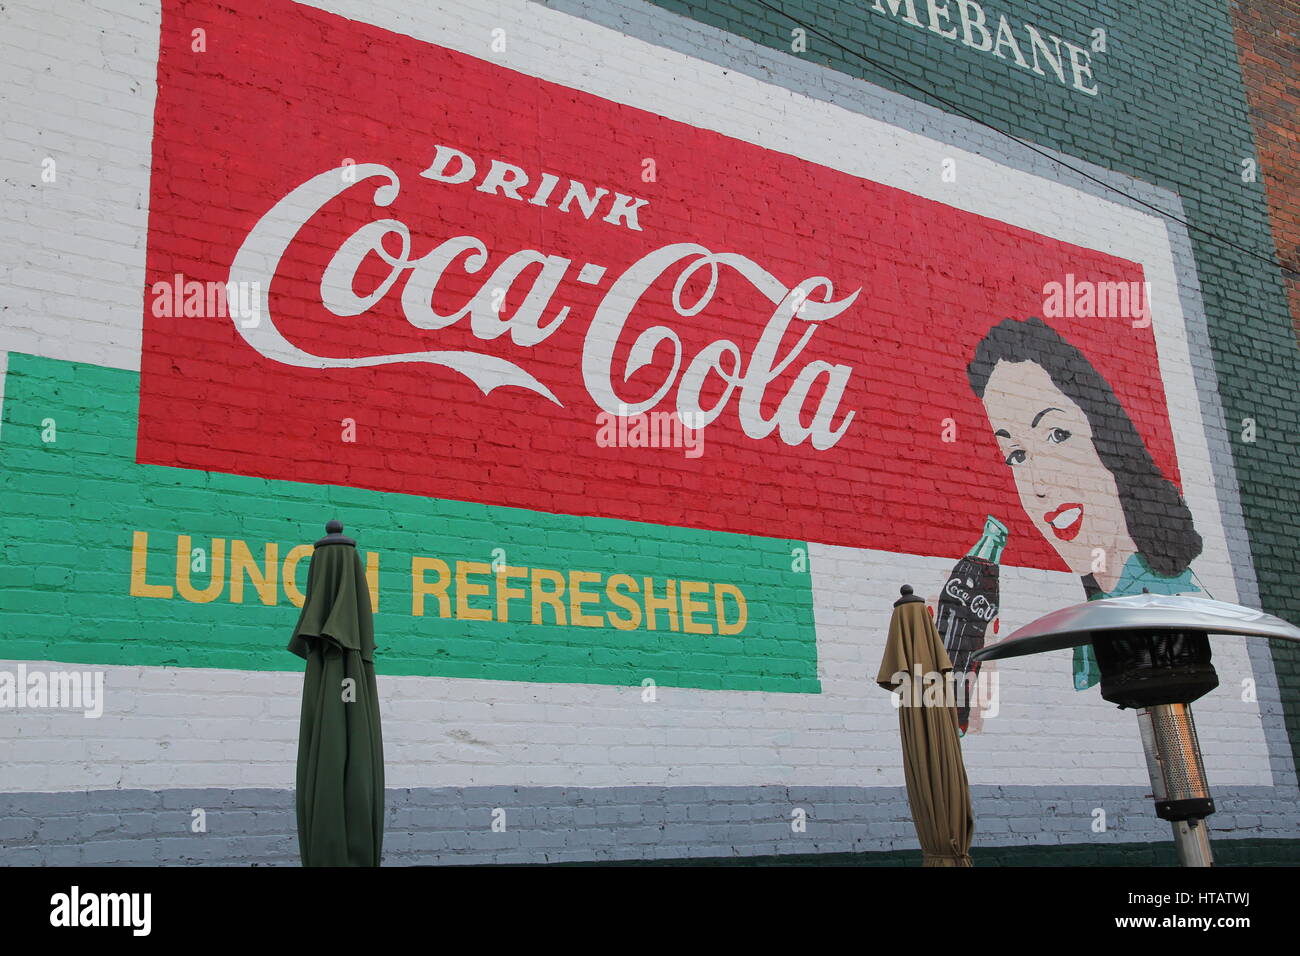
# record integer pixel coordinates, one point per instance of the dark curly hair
(1159, 521)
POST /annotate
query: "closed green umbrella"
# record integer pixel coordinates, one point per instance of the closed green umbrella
(937, 789)
(340, 795)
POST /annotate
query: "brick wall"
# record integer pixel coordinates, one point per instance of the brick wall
(1268, 38)
(129, 441)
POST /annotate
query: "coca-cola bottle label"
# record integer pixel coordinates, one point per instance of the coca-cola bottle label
(967, 605)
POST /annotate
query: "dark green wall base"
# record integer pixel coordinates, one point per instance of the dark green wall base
(1226, 853)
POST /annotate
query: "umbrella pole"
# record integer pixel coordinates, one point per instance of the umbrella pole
(1178, 778)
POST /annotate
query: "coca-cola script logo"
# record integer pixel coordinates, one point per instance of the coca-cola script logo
(461, 271)
(979, 606)
(982, 608)
(746, 377)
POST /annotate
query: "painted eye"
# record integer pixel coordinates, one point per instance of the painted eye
(1016, 457)
(1058, 435)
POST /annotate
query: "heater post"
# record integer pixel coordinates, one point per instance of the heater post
(1178, 782)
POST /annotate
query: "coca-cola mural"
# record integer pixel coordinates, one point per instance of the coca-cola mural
(450, 275)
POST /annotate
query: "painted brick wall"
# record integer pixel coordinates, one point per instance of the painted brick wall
(549, 722)
(1269, 40)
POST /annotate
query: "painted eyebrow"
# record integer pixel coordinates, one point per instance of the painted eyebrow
(1039, 416)
(1002, 433)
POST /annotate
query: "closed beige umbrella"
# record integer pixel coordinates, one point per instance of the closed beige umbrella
(927, 721)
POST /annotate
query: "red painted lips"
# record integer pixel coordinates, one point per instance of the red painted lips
(1066, 520)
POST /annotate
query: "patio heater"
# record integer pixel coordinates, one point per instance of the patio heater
(1153, 651)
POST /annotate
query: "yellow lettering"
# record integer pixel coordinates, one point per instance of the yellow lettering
(689, 607)
(578, 598)
(264, 581)
(505, 592)
(289, 573)
(465, 591)
(730, 590)
(633, 620)
(552, 598)
(372, 579)
(217, 564)
(653, 604)
(140, 587)
(421, 587)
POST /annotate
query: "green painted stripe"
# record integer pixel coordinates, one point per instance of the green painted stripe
(70, 507)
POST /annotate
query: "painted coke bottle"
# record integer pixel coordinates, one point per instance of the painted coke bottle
(968, 603)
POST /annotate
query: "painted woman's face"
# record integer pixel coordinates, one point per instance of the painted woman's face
(1065, 489)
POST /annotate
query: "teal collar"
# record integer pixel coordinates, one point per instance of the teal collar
(1137, 576)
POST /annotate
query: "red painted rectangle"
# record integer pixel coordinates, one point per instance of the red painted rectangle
(263, 141)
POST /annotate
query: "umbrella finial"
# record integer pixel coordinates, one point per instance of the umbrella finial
(907, 596)
(334, 534)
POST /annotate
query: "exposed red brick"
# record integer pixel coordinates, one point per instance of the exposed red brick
(1270, 66)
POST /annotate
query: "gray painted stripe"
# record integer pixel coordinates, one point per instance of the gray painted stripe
(568, 824)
